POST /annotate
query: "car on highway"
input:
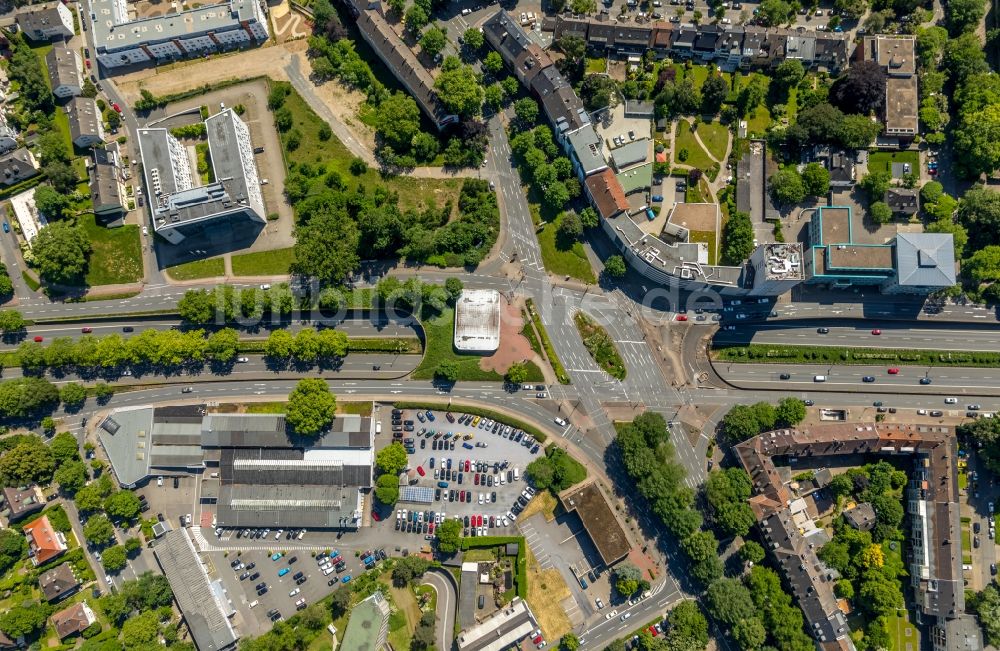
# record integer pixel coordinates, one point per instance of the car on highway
(876, 332)
(86, 329)
(39, 338)
(893, 371)
(242, 360)
(925, 380)
(951, 401)
(823, 331)
(785, 376)
(613, 613)
(868, 378)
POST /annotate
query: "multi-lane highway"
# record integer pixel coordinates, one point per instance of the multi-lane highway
(857, 334)
(961, 381)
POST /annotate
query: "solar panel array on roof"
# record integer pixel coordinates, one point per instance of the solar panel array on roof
(416, 494)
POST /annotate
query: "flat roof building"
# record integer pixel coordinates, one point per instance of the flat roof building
(86, 125)
(477, 320)
(45, 22)
(598, 520)
(503, 629)
(63, 64)
(120, 41)
(205, 614)
(182, 209)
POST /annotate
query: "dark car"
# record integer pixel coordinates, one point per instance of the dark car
(128, 329)
(262, 591)
(823, 331)
(925, 380)
(332, 581)
(785, 376)
(301, 581)
(297, 576)
(251, 566)
(937, 413)
(260, 586)
(177, 482)
(292, 559)
(868, 378)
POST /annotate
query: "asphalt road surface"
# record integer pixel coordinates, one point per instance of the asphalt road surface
(858, 334)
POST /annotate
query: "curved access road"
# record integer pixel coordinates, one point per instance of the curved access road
(447, 604)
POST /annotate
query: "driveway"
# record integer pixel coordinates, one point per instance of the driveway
(447, 601)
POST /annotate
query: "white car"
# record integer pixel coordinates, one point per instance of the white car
(294, 592)
(159, 481)
(560, 422)
(466, 11)
(921, 412)
(481, 498)
(253, 603)
(399, 514)
(505, 521)
(951, 401)
(625, 616)
(611, 614)
(328, 571)
(242, 360)
(265, 286)
(277, 536)
(145, 230)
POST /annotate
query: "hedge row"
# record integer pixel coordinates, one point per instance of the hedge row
(538, 434)
(521, 561)
(771, 354)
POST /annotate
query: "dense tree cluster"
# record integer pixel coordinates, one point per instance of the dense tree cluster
(737, 239)
(984, 433)
(154, 348)
(727, 493)
(27, 397)
(745, 421)
(650, 460)
(542, 164)
(311, 407)
(986, 605)
(556, 470)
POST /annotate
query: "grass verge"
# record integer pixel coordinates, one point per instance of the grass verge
(560, 261)
(882, 160)
(264, 263)
(116, 253)
(502, 417)
(528, 333)
(550, 352)
(30, 281)
(769, 354)
(439, 331)
(208, 268)
(600, 345)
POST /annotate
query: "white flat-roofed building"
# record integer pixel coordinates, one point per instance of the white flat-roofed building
(180, 208)
(477, 321)
(501, 630)
(198, 31)
(28, 218)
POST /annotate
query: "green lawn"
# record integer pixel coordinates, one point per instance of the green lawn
(116, 253)
(905, 635)
(883, 160)
(758, 121)
(208, 268)
(332, 155)
(264, 263)
(564, 262)
(598, 66)
(439, 331)
(697, 74)
(696, 154)
(715, 136)
(708, 237)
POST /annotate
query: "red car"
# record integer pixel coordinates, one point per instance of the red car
(893, 371)
(87, 61)
(682, 317)
(39, 338)
(115, 106)
(86, 330)
(479, 520)
(476, 479)
(420, 471)
(537, 639)
(467, 465)
(461, 496)
(653, 631)
(876, 331)
(376, 517)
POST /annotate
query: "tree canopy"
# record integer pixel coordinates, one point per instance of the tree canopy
(311, 407)
(61, 252)
(392, 459)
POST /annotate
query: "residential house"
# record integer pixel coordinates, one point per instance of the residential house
(801, 47)
(64, 71)
(560, 103)
(606, 194)
(73, 620)
(44, 542)
(58, 582)
(45, 22)
(8, 135)
(706, 43)
(838, 163)
(903, 201)
(525, 57)
(861, 516)
(897, 54)
(86, 125)
(832, 52)
(21, 501)
(17, 166)
(586, 152)
(107, 191)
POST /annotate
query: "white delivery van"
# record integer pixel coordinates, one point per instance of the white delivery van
(819, 378)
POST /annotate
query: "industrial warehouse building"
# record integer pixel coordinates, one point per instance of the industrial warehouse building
(258, 475)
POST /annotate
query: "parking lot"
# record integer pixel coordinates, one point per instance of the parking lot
(470, 468)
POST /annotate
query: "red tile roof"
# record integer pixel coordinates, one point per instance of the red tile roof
(43, 540)
(607, 193)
